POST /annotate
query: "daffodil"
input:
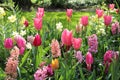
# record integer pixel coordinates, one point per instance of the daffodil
(12, 18)
(2, 12)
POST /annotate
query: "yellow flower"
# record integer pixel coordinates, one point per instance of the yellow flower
(12, 18)
(2, 12)
(55, 64)
(22, 20)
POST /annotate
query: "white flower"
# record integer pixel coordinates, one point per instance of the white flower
(15, 33)
(2, 12)
(59, 26)
(12, 18)
(22, 33)
(28, 46)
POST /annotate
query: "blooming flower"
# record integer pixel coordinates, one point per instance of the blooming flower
(79, 28)
(12, 18)
(76, 42)
(40, 13)
(84, 20)
(26, 23)
(8, 43)
(28, 46)
(111, 6)
(11, 65)
(38, 23)
(107, 20)
(59, 26)
(55, 48)
(66, 37)
(15, 33)
(37, 41)
(93, 43)
(22, 33)
(55, 64)
(89, 60)
(22, 49)
(99, 13)
(30, 39)
(2, 12)
(69, 12)
(115, 27)
(21, 42)
(78, 56)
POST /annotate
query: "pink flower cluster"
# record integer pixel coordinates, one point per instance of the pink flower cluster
(93, 43)
(21, 43)
(43, 73)
(55, 48)
(11, 65)
(115, 28)
(78, 56)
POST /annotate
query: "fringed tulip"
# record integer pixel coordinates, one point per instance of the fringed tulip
(76, 42)
(37, 41)
(38, 23)
(84, 20)
(66, 37)
(107, 20)
(99, 13)
(89, 60)
(8, 43)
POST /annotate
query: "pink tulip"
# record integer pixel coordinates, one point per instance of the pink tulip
(76, 42)
(66, 37)
(8, 43)
(99, 13)
(69, 12)
(108, 59)
(89, 60)
(38, 23)
(107, 20)
(22, 49)
(111, 6)
(26, 23)
(37, 41)
(114, 27)
(84, 20)
(21, 42)
(41, 11)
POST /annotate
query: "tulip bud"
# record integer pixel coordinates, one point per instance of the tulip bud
(37, 41)
(8, 43)
(84, 20)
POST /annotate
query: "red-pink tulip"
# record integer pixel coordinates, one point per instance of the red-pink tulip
(37, 40)
(66, 37)
(69, 12)
(38, 23)
(76, 42)
(26, 23)
(41, 11)
(111, 6)
(107, 20)
(21, 42)
(89, 60)
(117, 11)
(99, 13)
(84, 20)
(8, 43)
